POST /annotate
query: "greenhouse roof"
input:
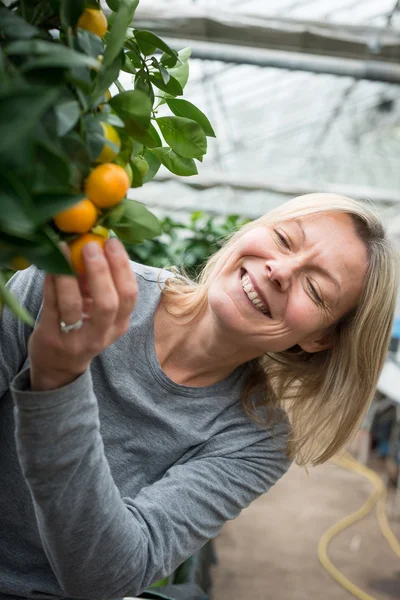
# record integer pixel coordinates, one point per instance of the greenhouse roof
(321, 121)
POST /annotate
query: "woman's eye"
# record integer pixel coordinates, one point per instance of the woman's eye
(282, 239)
(314, 292)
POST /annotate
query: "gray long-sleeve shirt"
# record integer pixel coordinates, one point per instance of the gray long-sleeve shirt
(109, 483)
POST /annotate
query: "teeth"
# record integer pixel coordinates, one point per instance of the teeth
(252, 294)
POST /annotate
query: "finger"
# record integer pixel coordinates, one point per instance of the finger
(69, 298)
(101, 288)
(83, 285)
(49, 316)
(123, 277)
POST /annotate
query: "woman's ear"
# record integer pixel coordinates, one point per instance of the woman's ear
(318, 342)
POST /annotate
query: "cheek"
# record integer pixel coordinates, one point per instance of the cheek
(302, 314)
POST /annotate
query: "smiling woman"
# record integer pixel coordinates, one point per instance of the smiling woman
(125, 437)
(306, 296)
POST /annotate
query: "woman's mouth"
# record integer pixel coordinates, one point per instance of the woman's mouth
(252, 294)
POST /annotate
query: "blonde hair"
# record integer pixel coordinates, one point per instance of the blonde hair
(325, 394)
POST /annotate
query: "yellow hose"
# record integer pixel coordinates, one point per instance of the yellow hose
(378, 498)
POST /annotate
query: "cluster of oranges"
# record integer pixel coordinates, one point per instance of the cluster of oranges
(107, 184)
(105, 187)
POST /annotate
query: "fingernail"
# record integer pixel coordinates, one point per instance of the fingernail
(92, 249)
(114, 245)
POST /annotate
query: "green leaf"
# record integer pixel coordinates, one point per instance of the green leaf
(164, 73)
(181, 71)
(142, 83)
(81, 79)
(149, 138)
(51, 167)
(154, 164)
(41, 248)
(175, 163)
(183, 108)
(110, 118)
(128, 66)
(173, 86)
(135, 58)
(4, 79)
(20, 243)
(114, 216)
(95, 139)
(70, 11)
(113, 4)
(152, 40)
(89, 43)
(79, 157)
(14, 26)
(20, 111)
(49, 204)
(67, 115)
(185, 54)
(116, 37)
(137, 179)
(169, 61)
(13, 304)
(137, 223)
(49, 54)
(134, 108)
(107, 76)
(47, 255)
(145, 48)
(184, 136)
(17, 210)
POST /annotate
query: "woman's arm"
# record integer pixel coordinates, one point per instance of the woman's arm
(99, 544)
(27, 286)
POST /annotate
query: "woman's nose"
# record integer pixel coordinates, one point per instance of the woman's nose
(280, 274)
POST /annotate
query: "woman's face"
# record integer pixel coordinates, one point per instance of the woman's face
(286, 284)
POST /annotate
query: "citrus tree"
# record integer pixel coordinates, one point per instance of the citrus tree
(73, 140)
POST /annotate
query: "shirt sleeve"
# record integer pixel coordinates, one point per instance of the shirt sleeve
(99, 544)
(27, 286)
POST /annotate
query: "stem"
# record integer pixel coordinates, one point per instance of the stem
(70, 38)
(119, 86)
(23, 9)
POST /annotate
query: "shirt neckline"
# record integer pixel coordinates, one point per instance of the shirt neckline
(178, 388)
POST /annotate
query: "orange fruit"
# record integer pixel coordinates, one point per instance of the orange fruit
(76, 247)
(107, 153)
(94, 20)
(19, 263)
(80, 218)
(107, 185)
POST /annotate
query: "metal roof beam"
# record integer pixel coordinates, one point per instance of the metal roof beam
(211, 180)
(310, 37)
(372, 70)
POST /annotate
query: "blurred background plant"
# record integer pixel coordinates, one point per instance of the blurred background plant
(186, 244)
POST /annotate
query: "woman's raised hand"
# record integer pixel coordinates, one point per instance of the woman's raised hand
(104, 299)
